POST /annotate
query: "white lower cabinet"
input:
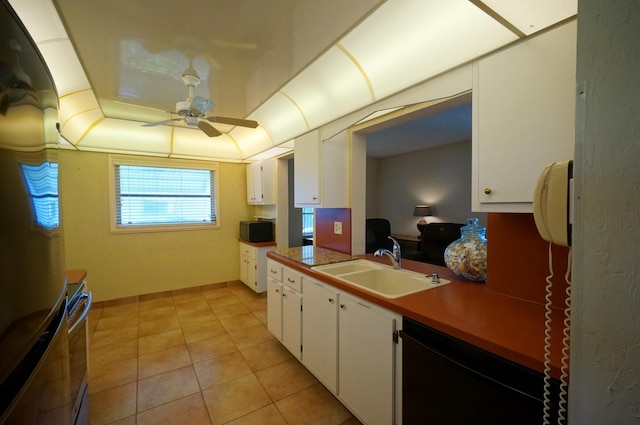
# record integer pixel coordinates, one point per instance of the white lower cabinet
(366, 360)
(349, 346)
(284, 306)
(253, 263)
(320, 332)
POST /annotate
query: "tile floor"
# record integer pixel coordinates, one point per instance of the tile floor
(200, 357)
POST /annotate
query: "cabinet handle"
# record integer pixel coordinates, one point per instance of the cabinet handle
(291, 280)
(331, 300)
(487, 191)
(342, 306)
(272, 271)
(315, 198)
(277, 291)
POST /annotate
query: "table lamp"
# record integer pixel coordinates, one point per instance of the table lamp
(422, 211)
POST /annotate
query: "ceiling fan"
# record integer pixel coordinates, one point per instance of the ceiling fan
(193, 111)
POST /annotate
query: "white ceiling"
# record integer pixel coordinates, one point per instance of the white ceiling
(292, 65)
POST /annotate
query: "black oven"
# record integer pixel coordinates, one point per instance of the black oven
(77, 312)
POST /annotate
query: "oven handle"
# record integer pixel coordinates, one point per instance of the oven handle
(85, 313)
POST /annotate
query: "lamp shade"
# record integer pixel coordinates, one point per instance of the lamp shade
(422, 211)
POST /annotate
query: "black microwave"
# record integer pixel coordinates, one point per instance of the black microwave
(256, 231)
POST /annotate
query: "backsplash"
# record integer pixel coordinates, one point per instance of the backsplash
(518, 259)
(324, 235)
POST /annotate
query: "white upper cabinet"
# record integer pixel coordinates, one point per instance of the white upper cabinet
(523, 118)
(321, 171)
(261, 182)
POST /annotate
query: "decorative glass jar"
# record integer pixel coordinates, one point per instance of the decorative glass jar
(467, 256)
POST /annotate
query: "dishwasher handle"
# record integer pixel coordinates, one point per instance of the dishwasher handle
(87, 296)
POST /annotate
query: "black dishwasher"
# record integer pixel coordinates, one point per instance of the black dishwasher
(448, 381)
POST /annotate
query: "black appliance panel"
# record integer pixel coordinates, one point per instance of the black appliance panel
(447, 381)
(256, 231)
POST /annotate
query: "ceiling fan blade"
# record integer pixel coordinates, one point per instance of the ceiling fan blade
(208, 129)
(201, 104)
(234, 121)
(153, 124)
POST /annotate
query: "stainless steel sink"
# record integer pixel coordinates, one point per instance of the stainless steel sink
(380, 279)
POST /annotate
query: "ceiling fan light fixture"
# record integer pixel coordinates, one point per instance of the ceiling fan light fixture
(191, 121)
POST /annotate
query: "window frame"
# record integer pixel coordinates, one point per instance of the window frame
(115, 160)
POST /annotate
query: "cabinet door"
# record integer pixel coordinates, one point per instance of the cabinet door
(366, 361)
(274, 308)
(523, 118)
(307, 169)
(243, 264)
(320, 332)
(252, 275)
(254, 183)
(292, 321)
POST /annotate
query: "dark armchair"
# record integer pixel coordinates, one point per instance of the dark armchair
(436, 237)
(378, 232)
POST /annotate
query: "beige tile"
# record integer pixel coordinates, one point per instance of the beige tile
(197, 317)
(104, 354)
(225, 311)
(114, 335)
(352, 421)
(215, 293)
(223, 300)
(116, 322)
(266, 354)
(187, 296)
(185, 411)
(235, 399)
(248, 337)
(284, 379)
(268, 415)
(160, 341)
(131, 420)
(163, 361)
(158, 326)
(314, 405)
(113, 404)
(242, 321)
(112, 375)
(210, 348)
(261, 315)
(166, 387)
(165, 312)
(120, 309)
(221, 369)
(153, 302)
(203, 330)
(256, 304)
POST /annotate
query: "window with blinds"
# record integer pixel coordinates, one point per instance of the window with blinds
(150, 195)
(42, 183)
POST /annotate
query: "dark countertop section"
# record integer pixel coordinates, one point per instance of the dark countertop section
(510, 327)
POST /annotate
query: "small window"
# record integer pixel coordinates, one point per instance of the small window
(160, 194)
(307, 222)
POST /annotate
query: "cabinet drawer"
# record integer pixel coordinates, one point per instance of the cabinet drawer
(248, 250)
(292, 278)
(274, 270)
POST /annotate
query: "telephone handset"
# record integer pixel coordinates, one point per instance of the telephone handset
(552, 203)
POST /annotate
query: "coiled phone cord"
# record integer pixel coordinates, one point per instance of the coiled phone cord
(564, 370)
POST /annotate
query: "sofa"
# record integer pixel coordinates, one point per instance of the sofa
(436, 237)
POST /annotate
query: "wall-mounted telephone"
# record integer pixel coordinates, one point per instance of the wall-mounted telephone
(552, 203)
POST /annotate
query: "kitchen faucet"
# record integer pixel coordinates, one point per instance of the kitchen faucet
(394, 256)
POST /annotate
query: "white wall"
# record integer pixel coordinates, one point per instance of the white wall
(439, 176)
(605, 316)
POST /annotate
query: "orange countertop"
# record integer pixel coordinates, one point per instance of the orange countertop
(258, 244)
(75, 276)
(509, 327)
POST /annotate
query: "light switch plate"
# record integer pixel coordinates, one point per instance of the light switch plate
(337, 227)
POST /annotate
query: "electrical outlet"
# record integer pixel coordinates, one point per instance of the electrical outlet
(337, 227)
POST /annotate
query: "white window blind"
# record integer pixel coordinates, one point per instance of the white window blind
(149, 195)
